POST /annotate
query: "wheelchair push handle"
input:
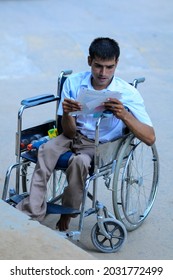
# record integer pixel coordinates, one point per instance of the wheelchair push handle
(67, 72)
(138, 81)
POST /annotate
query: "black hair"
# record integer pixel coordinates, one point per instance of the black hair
(104, 48)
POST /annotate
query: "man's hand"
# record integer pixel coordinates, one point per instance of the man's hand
(141, 130)
(116, 107)
(70, 105)
(68, 122)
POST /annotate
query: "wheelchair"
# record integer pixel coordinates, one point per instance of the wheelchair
(129, 169)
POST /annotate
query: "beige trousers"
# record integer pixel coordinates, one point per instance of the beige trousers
(78, 167)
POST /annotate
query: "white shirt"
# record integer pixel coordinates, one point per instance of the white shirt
(111, 127)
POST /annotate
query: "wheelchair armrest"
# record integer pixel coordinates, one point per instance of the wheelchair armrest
(38, 100)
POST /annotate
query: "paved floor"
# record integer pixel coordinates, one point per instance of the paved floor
(40, 38)
(24, 239)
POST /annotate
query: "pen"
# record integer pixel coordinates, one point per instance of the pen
(70, 93)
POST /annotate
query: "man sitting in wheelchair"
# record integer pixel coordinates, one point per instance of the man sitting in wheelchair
(79, 130)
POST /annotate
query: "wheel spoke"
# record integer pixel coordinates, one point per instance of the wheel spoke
(135, 183)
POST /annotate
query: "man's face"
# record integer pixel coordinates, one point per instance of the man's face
(102, 71)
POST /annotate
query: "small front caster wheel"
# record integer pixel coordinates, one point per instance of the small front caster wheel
(116, 232)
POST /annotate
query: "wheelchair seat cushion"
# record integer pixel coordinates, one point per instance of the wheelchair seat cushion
(62, 162)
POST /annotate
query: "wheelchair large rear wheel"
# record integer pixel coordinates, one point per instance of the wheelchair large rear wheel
(135, 182)
(55, 186)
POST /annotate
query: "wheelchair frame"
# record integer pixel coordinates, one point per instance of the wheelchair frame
(134, 183)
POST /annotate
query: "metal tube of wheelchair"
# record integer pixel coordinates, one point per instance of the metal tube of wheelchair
(59, 88)
(7, 179)
(6, 183)
(137, 81)
(82, 213)
(19, 128)
(97, 143)
(95, 191)
(97, 130)
(63, 73)
(95, 183)
(58, 94)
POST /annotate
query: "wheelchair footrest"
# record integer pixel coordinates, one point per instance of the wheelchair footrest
(16, 198)
(51, 207)
(60, 209)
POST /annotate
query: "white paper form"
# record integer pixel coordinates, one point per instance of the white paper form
(91, 100)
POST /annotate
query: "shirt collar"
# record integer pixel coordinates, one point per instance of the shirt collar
(87, 83)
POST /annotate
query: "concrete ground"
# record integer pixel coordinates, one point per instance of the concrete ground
(38, 39)
(24, 239)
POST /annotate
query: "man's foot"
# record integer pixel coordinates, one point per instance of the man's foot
(63, 223)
